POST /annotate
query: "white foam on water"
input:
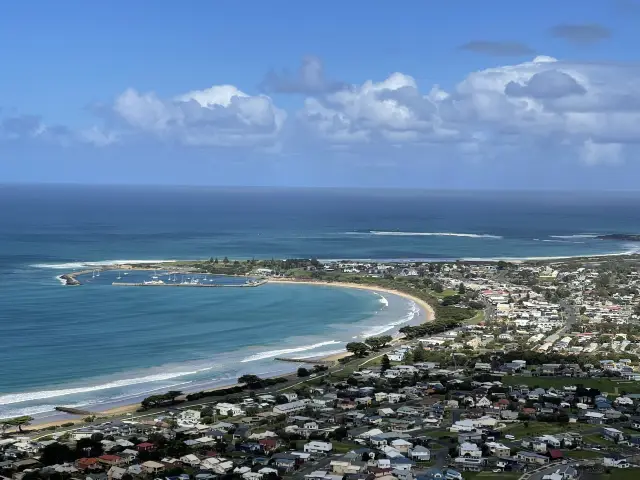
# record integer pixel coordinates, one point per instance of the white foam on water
(435, 234)
(383, 300)
(41, 395)
(580, 235)
(413, 311)
(102, 263)
(286, 351)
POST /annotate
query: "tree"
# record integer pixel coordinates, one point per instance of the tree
(250, 379)
(438, 288)
(419, 355)
(303, 372)
(225, 260)
(385, 364)
(376, 343)
(408, 357)
(461, 289)
(15, 422)
(56, 453)
(359, 349)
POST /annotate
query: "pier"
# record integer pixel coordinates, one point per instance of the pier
(192, 285)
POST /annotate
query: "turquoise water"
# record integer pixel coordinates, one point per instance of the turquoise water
(98, 345)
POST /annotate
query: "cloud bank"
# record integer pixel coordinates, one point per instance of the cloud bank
(589, 112)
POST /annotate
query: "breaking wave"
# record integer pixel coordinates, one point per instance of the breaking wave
(285, 351)
(413, 311)
(435, 234)
(41, 395)
(580, 235)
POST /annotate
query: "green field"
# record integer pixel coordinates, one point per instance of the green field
(602, 384)
(582, 454)
(544, 428)
(487, 475)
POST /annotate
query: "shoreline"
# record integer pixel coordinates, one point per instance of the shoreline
(428, 309)
(130, 409)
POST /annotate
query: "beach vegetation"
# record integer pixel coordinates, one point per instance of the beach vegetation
(376, 343)
(303, 372)
(18, 422)
(249, 379)
(163, 399)
(359, 349)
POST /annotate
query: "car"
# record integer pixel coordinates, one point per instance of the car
(496, 470)
(510, 437)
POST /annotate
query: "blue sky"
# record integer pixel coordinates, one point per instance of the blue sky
(454, 94)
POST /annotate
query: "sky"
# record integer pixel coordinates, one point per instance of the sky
(460, 94)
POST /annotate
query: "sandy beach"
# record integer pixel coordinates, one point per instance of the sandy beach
(430, 314)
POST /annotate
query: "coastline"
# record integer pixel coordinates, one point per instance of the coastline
(428, 309)
(130, 409)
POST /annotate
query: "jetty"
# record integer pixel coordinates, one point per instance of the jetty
(73, 411)
(304, 360)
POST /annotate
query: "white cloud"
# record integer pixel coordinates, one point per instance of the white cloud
(218, 116)
(593, 106)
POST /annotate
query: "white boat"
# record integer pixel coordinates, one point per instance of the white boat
(153, 282)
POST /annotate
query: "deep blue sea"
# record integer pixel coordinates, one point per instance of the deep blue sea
(98, 345)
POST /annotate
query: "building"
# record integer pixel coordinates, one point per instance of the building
(318, 447)
(291, 407)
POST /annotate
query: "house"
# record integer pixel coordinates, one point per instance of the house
(401, 445)
(152, 467)
(612, 434)
(419, 454)
(291, 407)
(228, 409)
(318, 447)
(116, 473)
(531, 457)
(484, 402)
(469, 450)
(190, 460)
(111, 460)
(146, 447)
(498, 449)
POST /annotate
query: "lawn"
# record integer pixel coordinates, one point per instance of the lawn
(597, 439)
(485, 475)
(582, 454)
(619, 474)
(602, 384)
(477, 318)
(544, 428)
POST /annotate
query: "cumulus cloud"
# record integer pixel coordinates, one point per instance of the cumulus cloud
(497, 48)
(590, 107)
(581, 34)
(309, 79)
(220, 115)
(547, 84)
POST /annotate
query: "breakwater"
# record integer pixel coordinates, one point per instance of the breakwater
(194, 285)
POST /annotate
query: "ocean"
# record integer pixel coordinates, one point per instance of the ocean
(99, 346)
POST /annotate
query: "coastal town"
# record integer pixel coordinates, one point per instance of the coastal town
(530, 370)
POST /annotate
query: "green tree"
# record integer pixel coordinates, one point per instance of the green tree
(408, 357)
(461, 289)
(359, 349)
(419, 355)
(385, 364)
(19, 422)
(225, 260)
(303, 372)
(250, 379)
(438, 288)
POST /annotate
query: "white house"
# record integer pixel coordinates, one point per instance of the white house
(468, 449)
(419, 454)
(224, 409)
(291, 407)
(318, 447)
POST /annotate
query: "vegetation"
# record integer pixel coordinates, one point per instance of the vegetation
(7, 423)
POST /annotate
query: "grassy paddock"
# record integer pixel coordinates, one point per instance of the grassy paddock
(602, 384)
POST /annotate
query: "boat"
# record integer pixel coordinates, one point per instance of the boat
(153, 282)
